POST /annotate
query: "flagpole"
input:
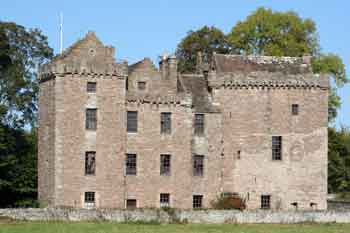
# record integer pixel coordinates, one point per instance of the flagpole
(61, 32)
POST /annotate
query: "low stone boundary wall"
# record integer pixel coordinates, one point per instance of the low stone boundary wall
(185, 216)
(338, 205)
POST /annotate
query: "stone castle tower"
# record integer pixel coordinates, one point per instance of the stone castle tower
(119, 136)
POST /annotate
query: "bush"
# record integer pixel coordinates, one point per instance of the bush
(228, 202)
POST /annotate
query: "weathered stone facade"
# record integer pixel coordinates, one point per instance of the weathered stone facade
(245, 101)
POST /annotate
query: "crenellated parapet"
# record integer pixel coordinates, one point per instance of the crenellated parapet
(264, 79)
(49, 71)
(182, 99)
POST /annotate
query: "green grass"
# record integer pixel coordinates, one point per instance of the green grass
(108, 227)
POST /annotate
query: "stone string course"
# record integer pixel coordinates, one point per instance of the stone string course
(173, 216)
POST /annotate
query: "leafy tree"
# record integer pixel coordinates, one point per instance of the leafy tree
(339, 160)
(205, 40)
(22, 51)
(270, 33)
(18, 159)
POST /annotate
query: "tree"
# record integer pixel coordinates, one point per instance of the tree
(18, 159)
(205, 40)
(21, 52)
(339, 160)
(270, 33)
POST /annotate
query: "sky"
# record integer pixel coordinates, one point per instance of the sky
(139, 29)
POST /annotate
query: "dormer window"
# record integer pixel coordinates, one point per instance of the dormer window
(141, 86)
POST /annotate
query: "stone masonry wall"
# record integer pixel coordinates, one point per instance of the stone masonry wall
(184, 216)
(148, 143)
(251, 116)
(46, 142)
(73, 140)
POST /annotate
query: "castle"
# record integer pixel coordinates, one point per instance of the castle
(118, 136)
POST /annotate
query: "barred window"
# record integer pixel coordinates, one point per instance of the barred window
(265, 201)
(199, 124)
(130, 164)
(295, 109)
(89, 197)
(91, 119)
(164, 199)
(90, 163)
(141, 86)
(91, 87)
(197, 201)
(276, 148)
(198, 165)
(165, 163)
(165, 122)
(131, 203)
(132, 121)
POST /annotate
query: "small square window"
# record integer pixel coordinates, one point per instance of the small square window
(89, 199)
(141, 86)
(130, 164)
(91, 119)
(131, 121)
(165, 122)
(198, 165)
(91, 87)
(131, 204)
(295, 109)
(165, 165)
(197, 201)
(164, 200)
(199, 124)
(90, 163)
(265, 201)
(276, 148)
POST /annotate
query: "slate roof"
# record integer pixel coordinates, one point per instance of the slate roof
(198, 87)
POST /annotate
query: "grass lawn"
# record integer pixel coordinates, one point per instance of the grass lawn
(108, 227)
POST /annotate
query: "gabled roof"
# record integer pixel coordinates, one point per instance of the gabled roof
(144, 64)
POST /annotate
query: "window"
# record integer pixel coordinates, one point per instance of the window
(90, 163)
(164, 199)
(165, 165)
(91, 87)
(276, 148)
(91, 119)
(197, 201)
(198, 165)
(130, 164)
(265, 201)
(165, 122)
(132, 121)
(131, 204)
(199, 124)
(89, 199)
(295, 109)
(141, 86)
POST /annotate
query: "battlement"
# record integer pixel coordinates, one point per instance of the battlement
(239, 63)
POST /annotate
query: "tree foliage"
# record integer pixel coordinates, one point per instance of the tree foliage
(270, 33)
(339, 160)
(205, 40)
(18, 159)
(21, 51)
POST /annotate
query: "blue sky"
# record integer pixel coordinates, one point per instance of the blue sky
(149, 28)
